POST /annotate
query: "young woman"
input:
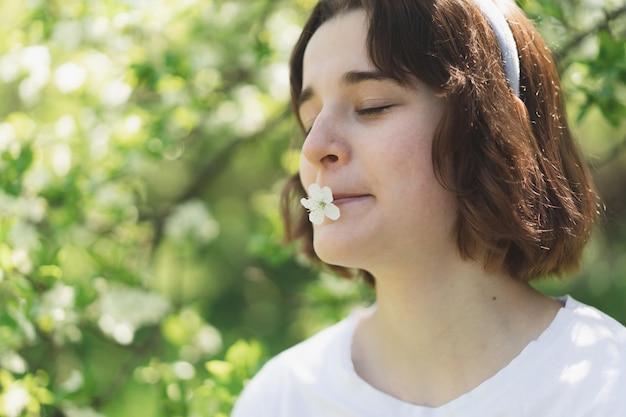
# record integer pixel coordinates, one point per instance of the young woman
(439, 127)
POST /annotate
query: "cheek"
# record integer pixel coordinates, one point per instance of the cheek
(307, 172)
(412, 156)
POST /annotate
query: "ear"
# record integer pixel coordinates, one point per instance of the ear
(521, 108)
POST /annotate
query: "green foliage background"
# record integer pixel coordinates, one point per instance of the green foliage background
(142, 147)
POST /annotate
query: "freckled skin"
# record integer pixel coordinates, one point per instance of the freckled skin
(372, 138)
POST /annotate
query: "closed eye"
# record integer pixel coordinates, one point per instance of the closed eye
(371, 111)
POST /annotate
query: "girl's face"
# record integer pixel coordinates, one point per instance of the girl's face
(370, 140)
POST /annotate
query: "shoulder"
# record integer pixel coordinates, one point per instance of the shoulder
(296, 373)
(590, 327)
(593, 339)
(595, 358)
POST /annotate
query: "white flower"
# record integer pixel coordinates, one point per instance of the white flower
(13, 362)
(73, 382)
(69, 77)
(320, 204)
(125, 309)
(193, 221)
(15, 401)
(57, 314)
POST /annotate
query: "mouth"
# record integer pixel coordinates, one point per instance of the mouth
(343, 199)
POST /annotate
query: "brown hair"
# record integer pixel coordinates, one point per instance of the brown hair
(525, 198)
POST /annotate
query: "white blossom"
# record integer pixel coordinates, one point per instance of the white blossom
(320, 204)
(36, 61)
(69, 77)
(8, 138)
(57, 313)
(28, 208)
(23, 235)
(15, 399)
(124, 309)
(21, 260)
(191, 220)
(115, 93)
(13, 362)
(183, 370)
(73, 382)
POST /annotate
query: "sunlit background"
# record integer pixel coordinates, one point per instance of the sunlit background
(142, 148)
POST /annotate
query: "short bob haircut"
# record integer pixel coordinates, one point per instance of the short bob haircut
(526, 203)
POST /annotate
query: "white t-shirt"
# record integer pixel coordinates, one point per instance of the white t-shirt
(576, 368)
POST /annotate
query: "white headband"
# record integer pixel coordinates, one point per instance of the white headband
(503, 33)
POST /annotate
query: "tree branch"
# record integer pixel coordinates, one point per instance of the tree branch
(128, 367)
(212, 168)
(210, 171)
(576, 40)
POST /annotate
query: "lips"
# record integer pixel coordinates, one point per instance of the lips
(342, 199)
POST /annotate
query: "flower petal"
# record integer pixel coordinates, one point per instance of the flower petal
(307, 203)
(314, 191)
(326, 195)
(332, 211)
(316, 216)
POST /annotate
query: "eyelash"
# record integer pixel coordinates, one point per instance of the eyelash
(370, 111)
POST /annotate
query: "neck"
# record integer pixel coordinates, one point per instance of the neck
(434, 337)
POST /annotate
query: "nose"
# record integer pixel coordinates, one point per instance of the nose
(325, 145)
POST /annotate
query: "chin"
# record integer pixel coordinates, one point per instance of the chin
(335, 253)
(348, 246)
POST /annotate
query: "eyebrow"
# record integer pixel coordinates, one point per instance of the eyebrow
(348, 79)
